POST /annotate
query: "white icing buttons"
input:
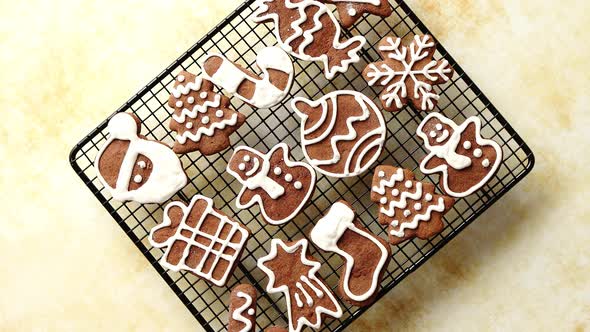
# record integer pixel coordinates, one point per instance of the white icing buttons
(395, 192)
(288, 177)
(407, 213)
(141, 164)
(467, 145)
(189, 125)
(180, 78)
(394, 223)
(351, 12)
(417, 206)
(190, 100)
(428, 197)
(137, 178)
(246, 158)
(277, 171)
(297, 185)
(381, 174)
(251, 311)
(433, 134)
(242, 166)
(203, 95)
(205, 120)
(219, 113)
(438, 126)
(485, 163)
(179, 103)
(477, 153)
(383, 200)
(408, 184)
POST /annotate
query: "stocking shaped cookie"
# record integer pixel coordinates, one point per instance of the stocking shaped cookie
(342, 133)
(280, 186)
(133, 168)
(199, 239)
(202, 119)
(293, 272)
(410, 208)
(308, 30)
(465, 159)
(261, 92)
(349, 11)
(408, 74)
(242, 309)
(366, 254)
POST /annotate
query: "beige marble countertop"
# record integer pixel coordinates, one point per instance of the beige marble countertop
(66, 65)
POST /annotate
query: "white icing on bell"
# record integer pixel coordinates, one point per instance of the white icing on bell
(203, 95)
(189, 125)
(467, 145)
(137, 178)
(180, 78)
(383, 200)
(485, 163)
(408, 184)
(297, 185)
(190, 100)
(242, 166)
(219, 113)
(288, 177)
(179, 103)
(205, 120)
(277, 171)
(477, 153)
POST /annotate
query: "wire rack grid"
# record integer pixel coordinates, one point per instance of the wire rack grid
(239, 39)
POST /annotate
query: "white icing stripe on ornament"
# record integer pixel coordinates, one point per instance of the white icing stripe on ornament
(198, 233)
(185, 89)
(440, 207)
(259, 16)
(238, 314)
(229, 77)
(197, 109)
(167, 175)
(328, 231)
(448, 151)
(207, 131)
(315, 266)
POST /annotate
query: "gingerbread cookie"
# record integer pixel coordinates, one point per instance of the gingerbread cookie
(408, 74)
(366, 254)
(280, 186)
(202, 119)
(349, 11)
(199, 239)
(293, 272)
(410, 208)
(466, 160)
(342, 133)
(242, 309)
(259, 91)
(308, 30)
(134, 168)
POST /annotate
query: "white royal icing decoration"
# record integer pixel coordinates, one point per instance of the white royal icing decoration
(288, 177)
(167, 175)
(485, 163)
(351, 12)
(477, 153)
(266, 94)
(307, 35)
(467, 145)
(190, 100)
(142, 164)
(238, 314)
(210, 249)
(319, 287)
(297, 185)
(178, 103)
(326, 233)
(203, 95)
(375, 136)
(137, 178)
(449, 154)
(180, 78)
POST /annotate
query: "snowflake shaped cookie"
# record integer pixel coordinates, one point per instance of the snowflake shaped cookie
(408, 73)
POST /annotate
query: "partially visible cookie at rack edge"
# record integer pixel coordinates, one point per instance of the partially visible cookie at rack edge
(133, 168)
(365, 254)
(466, 160)
(342, 133)
(275, 329)
(408, 74)
(308, 30)
(279, 185)
(199, 239)
(349, 11)
(202, 119)
(259, 91)
(409, 208)
(242, 309)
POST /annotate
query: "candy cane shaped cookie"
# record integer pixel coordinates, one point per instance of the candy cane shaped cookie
(262, 91)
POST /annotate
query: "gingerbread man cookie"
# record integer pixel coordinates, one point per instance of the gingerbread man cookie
(199, 239)
(262, 92)
(408, 74)
(410, 208)
(202, 119)
(242, 309)
(280, 186)
(133, 168)
(349, 11)
(308, 30)
(342, 133)
(366, 254)
(293, 272)
(466, 160)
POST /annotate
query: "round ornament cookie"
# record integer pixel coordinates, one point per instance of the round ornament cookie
(342, 133)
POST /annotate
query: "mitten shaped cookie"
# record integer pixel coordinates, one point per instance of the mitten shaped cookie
(202, 118)
(466, 160)
(308, 30)
(134, 168)
(410, 208)
(293, 272)
(199, 239)
(366, 254)
(242, 309)
(349, 11)
(259, 91)
(280, 186)
(408, 74)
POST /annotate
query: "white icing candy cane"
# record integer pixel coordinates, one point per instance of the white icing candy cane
(330, 229)
(369, 109)
(266, 94)
(167, 175)
(238, 314)
(209, 249)
(260, 16)
(449, 154)
(311, 276)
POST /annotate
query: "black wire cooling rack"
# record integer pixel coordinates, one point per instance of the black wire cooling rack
(239, 40)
